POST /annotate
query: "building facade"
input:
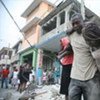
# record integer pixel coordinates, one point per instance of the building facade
(5, 56)
(58, 21)
(55, 24)
(42, 35)
(15, 54)
(36, 11)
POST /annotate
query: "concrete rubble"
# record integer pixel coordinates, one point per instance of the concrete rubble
(46, 92)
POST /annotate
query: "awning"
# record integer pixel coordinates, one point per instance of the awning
(52, 43)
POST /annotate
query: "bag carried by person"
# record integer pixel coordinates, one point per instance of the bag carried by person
(91, 34)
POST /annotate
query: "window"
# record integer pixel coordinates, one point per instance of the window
(71, 13)
(62, 17)
(48, 60)
(50, 26)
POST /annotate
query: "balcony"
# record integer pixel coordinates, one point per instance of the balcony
(5, 61)
(15, 58)
(51, 40)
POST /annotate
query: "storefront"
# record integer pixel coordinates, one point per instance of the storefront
(30, 55)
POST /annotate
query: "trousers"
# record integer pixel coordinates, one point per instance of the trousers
(90, 89)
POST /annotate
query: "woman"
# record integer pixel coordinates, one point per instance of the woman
(15, 78)
(24, 72)
(66, 58)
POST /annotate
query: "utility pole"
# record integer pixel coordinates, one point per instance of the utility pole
(83, 9)
(7, 56)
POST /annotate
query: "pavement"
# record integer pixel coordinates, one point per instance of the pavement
(13, 94)
(9, 94)
(46, 92)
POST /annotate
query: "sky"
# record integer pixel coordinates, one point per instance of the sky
(9, 33)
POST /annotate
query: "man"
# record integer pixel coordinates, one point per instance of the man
(85, 78)
(4, 73)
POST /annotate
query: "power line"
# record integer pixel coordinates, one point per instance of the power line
(15, 22)
(18, 25)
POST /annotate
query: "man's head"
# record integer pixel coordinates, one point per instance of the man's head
(77, 22)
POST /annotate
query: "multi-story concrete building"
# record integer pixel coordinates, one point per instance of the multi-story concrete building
(5, 56)
(15, 54)
(33, 14)
(54, 25)
(52, 29)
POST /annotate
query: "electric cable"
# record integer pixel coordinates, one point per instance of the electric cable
(14, 22)
(20, 29)
(23, 33)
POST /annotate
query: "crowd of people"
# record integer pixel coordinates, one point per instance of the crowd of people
(17, 77)
(50, 77)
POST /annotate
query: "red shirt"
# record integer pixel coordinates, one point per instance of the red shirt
(68, 59)
(5, 73)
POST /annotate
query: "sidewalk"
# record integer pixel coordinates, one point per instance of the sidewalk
(8, 94)
(47, 92)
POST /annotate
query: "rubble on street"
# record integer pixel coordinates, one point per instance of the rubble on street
(46, 92)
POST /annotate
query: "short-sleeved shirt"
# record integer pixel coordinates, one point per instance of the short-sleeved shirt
(5, 73)
(84, 66)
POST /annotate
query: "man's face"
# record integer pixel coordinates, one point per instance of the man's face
(77, 25)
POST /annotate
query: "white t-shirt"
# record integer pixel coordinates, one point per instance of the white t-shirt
(15, 74)
(84, 66)
(31, 76)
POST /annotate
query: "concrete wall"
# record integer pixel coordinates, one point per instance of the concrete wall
(33, 34)
(43, 8)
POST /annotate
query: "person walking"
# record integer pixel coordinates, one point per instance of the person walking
(15, 78)
(44, 77)
(4, 77)
(85, 77)
(66, 60)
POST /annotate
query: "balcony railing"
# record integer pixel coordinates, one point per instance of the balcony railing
(5, 61)
(52, 33)
(15, 58)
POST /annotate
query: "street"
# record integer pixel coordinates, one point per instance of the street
(46, 92)
(9, 94)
